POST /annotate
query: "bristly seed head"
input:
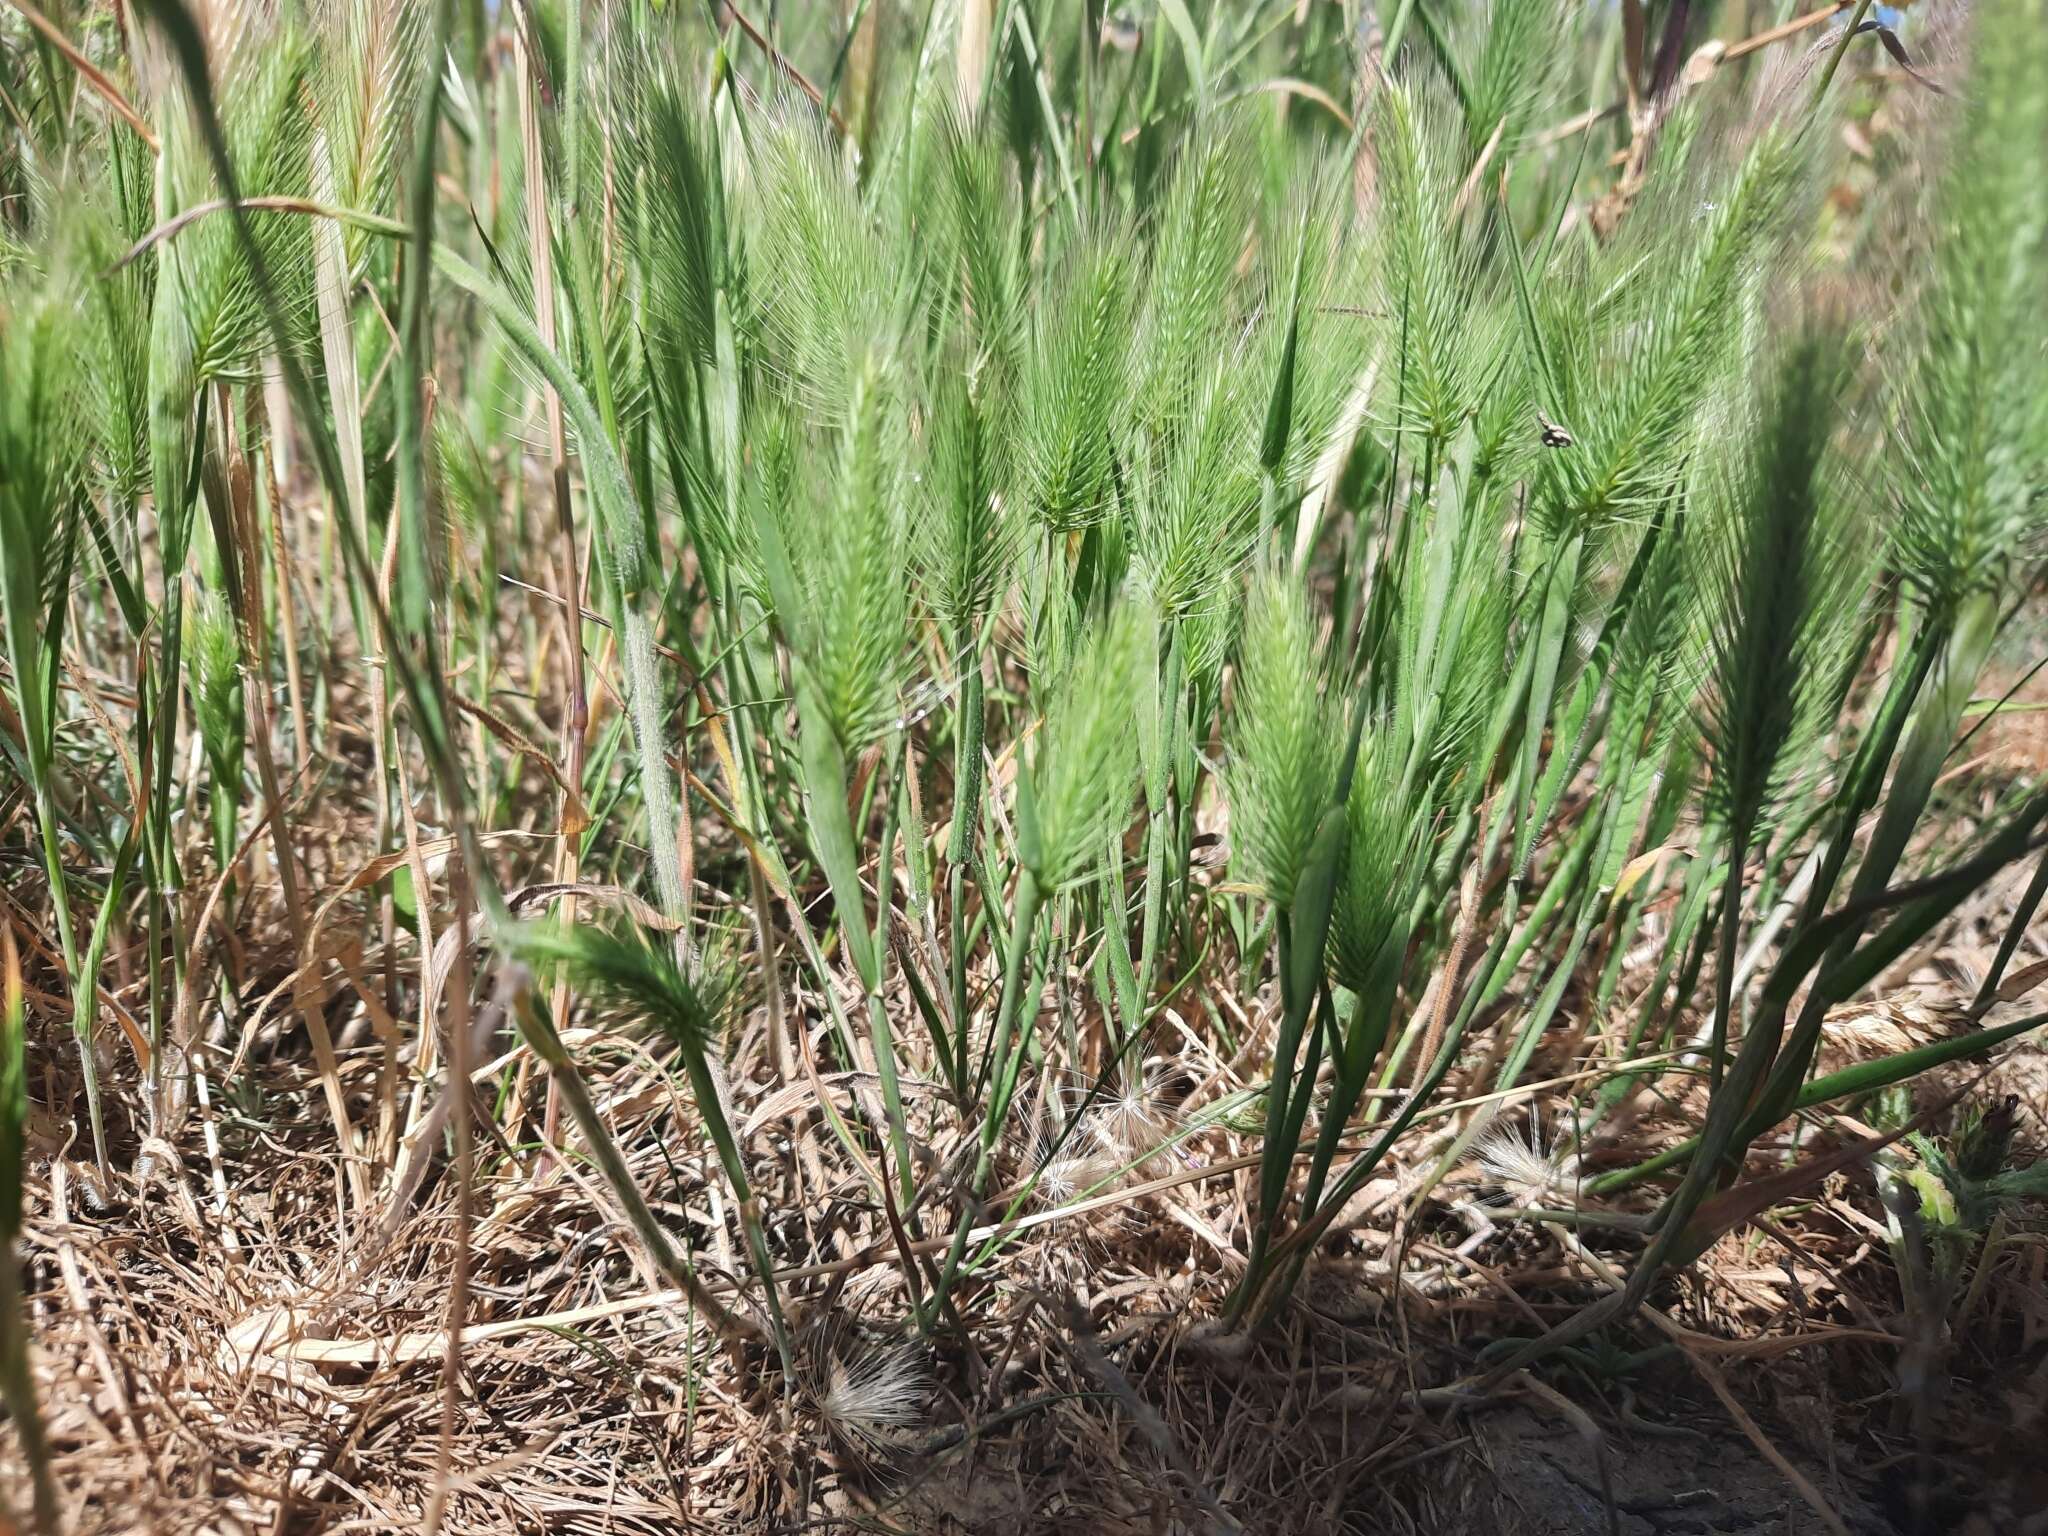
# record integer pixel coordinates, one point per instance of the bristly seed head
(1119, 1132)
(1523, 1169)
(1133, 1119)
(875, 1393)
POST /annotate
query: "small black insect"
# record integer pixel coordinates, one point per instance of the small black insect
(1554, 436)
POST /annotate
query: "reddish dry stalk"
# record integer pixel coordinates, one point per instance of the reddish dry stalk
(789, 71)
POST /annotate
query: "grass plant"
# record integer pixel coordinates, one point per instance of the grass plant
(921, 559)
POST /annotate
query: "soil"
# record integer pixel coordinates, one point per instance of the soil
(1551, 1481)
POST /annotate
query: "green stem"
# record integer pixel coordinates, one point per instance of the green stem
(541, 1038)
(1864, 1077)
(878, 1010)
(1724, 959)
(708, 1104)
(1827, 74)
(84, 994)
(1159, 830)
(967, 775)
(1025, 906)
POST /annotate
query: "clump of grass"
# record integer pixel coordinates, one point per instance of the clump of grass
(1068, 562)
